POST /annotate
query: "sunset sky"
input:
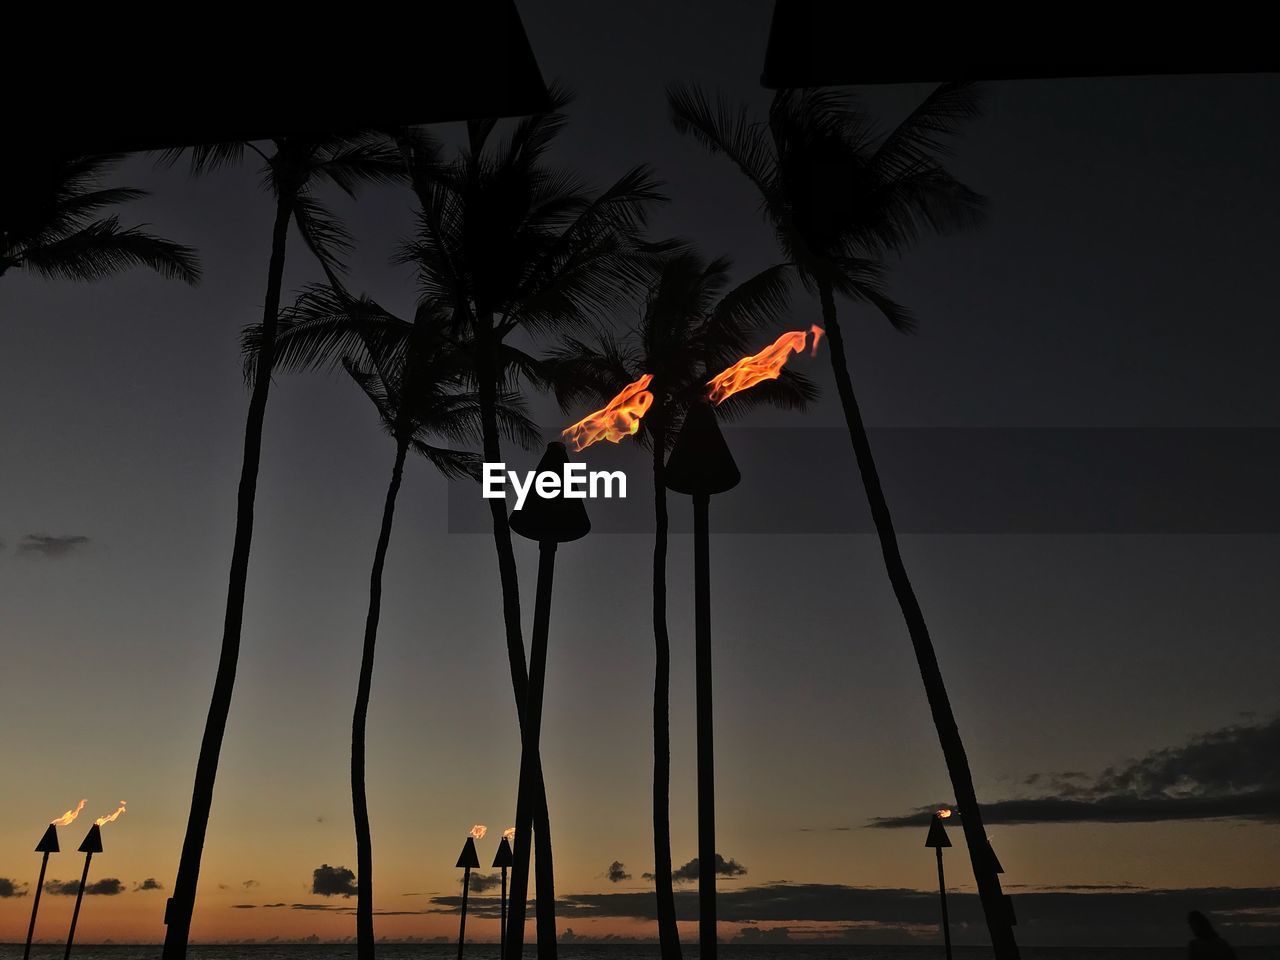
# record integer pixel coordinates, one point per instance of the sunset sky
(1124, 656)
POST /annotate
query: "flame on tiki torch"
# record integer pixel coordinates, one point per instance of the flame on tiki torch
(111, 817)
(619, 418)
(765, 365)
(478, 831)
(944, 814)
(69, 817)
(509, 833)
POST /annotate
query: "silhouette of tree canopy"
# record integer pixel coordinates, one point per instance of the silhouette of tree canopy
(53, 224)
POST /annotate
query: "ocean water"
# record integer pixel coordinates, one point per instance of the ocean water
(610, 951)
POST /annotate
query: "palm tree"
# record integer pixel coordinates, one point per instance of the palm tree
(692, 325)
(841, 199)
(412, 372)
(51, 225)
(292, 172)
(512, 242)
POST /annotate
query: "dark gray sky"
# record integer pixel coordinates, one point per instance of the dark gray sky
(1124, 279)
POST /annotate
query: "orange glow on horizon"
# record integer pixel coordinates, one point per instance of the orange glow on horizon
(619, 418)
(765, 365)
(69, 817)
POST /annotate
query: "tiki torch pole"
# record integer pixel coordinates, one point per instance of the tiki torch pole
(92, 844)
(48, 844)
(938, 839)
(503, 859)
(466, 860)
(701, 465)
(550, 520)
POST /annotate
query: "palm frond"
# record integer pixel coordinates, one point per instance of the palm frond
(102, 248)
(721, 128)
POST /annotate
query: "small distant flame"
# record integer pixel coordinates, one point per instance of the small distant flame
(765, 365)
(618, 419)
(478, 831)
(69, 817)
(509, 833)
(944, 813)
(111, 817)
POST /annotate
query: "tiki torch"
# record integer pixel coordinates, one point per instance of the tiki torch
(550, 520)
(48, 844)
(466, 860)
(701, 465)
(91, 844)
(938, 839)
(503, 859)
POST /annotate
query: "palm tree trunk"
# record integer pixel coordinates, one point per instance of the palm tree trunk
(668, 932)
(182, 904)
(359, 799)
(487, 388)
(993, 902)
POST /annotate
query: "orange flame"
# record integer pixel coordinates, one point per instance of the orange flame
(509, 833)
(619, 418)
(69, 817)
(944, 813)
(765, 365)
(478, 831)
(111, 817)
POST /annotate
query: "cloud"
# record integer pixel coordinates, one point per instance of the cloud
(249, 884)
(724, 868)
(11, 888)
(764, 935)
(49, 547)
(330, 881)
(106, 887)
(1226, 774)
(617, 872)
(244, 906)
(482, 882)
(151, 883)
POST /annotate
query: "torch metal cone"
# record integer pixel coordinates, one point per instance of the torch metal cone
(937, 834)
(555, 519)
(550, 521)
(48, 844)
(700, 461)
(701, 465)
(468, 856)
(503, 857)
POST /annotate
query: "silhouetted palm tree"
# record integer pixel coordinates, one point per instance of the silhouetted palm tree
(512, 242)
(840, 199)
(413, 372)
(51, 225)
(292, 172)
(692, 326)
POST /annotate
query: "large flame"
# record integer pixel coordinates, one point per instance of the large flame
(509, 833)
(765, 365)
(478, 831)
(69, 817)
(619, 418)
(110, 817)
(944, 813)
